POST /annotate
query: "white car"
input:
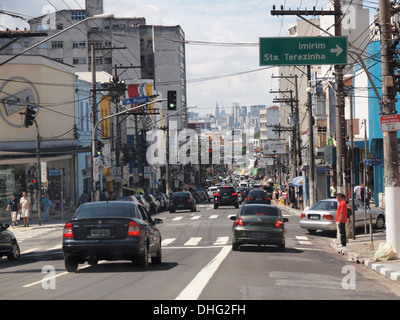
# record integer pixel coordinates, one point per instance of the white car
(210, 192)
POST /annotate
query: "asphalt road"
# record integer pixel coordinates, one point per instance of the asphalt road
(198, 263)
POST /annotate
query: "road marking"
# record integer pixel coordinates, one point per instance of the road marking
(177, 218)
(214, 216)
(196, 286)
(221, 241)
(30, 250)
(193, 241)
(195, 217)
(167, 241)
(303, 240)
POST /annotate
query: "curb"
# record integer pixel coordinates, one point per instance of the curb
(382, 269)
(368, 262)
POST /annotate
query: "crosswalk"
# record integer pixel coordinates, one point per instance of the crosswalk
(195, 242)
(23, 234)
(195, 217)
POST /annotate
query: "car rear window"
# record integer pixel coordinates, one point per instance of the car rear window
(180, 194)
(258, 192)
(259, 210)
(107, 210)
(325, 206)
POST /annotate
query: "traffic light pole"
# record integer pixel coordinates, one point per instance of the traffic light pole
(39, 174)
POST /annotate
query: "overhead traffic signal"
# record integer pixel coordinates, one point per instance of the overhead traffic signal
(29, 116)
(171, 100)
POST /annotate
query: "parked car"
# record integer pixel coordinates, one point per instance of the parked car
(117, 230)
(226, 196)
(143, 202)
(322, 216)
(154, 203)
(259, 224)
(210, 192)
(8, 243)
(129, 198)
(181, 201)
(258, 196)
(163, 201)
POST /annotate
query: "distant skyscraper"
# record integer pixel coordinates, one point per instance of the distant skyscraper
(216, 111)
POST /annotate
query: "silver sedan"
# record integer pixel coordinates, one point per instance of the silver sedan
(322, 216)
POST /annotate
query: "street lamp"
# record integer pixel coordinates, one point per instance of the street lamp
(97, 16)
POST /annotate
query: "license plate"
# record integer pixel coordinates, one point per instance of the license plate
(259, 199)
(100, 232)
(313, 217)
(259, 235)
(180, 205)
(225, 197)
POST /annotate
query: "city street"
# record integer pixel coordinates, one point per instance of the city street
(198, 263)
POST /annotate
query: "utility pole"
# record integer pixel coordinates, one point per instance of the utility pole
(390, 148)
(311, 153)
(340, 120)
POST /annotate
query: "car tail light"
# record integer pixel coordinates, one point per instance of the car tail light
(238, 222)
(279, 223)
(190, 200)
(234, 194)
(216, 194)
(133, 229)
(303, 216)
(327, 217)
(250, 198)
(67, 233)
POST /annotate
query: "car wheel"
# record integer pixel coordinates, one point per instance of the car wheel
(215, 206)
(312, 231)
(194, 209)
(235, 246)
(15, 252)
(143, 260)
(157, 259)
(380, 222)
(71, 264)
(171, 211)
(282, 246)
(236, 205)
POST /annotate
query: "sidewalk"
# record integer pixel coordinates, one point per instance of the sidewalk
(359, 251)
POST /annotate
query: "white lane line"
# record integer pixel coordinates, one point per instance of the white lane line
(167, 241)
(195, 217)
(214, 216)
(221, 241)
(193, 241)
(177, 218)
(196, 286)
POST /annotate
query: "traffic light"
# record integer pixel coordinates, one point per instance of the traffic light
(99, 148)
(29, 116)
(171, 100)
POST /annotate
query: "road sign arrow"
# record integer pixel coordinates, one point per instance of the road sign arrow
(338, 50)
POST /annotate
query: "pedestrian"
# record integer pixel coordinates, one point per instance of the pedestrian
(83, 198)
(14, 205)
(25, 208)
(357, 192)
(333, 190)
(46, 203)
(341, 218)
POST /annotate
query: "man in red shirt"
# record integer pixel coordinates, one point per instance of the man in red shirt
(341, 217)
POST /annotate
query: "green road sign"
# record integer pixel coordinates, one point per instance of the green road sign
(303, 51)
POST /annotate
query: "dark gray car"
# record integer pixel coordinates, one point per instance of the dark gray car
(260, 224)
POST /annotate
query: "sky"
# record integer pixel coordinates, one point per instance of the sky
(226, 70)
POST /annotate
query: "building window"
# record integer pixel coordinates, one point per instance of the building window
(77, 15)
(79, 60)
(57, 44)
(78, 44)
